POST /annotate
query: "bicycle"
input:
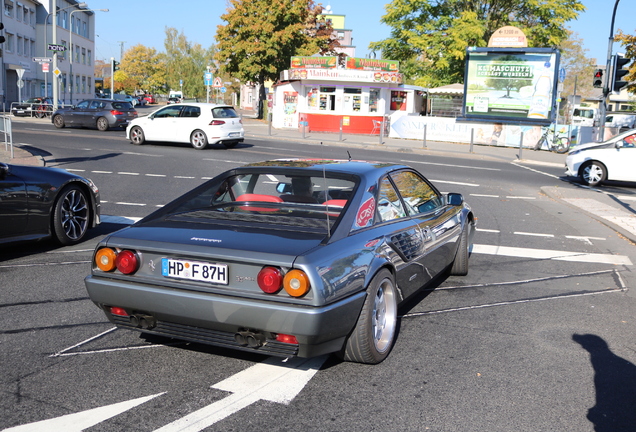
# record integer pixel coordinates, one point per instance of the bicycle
(559, 144)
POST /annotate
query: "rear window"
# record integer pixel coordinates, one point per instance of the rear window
(224, 112)
(122, 105)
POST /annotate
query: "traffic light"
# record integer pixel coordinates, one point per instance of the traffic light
(2, 38)
(619, 72)
(115, 65)
(598, 78)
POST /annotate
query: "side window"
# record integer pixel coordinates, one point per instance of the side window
(418, 195)
(389, 204)
(83, 104)
(191, 111)
(168, 112)
(95, 105)
(630, 141)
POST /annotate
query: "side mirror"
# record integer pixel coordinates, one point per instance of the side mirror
(4, 170)
(454, 199)
(619, 144)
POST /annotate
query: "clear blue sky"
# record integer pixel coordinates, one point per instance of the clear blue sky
(144, 22)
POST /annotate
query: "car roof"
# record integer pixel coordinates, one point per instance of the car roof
(205, 104)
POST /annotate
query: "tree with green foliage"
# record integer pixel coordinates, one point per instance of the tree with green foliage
(261, 36)
(629, 45)
(186, 61)
(430, 37)
(578, 66)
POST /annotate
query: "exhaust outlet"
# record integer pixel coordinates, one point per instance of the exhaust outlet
(145, 322)
(250, 339)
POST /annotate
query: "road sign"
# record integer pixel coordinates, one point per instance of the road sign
(561, 74)
(217, 82)
(223, 89)
(45, 67)
(20, 72)
(20, 83)
(55, 47)
(207, 78)
(57, 72)
(43, 59)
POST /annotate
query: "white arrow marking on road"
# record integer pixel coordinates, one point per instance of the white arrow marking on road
(82, 420)
(272, 380)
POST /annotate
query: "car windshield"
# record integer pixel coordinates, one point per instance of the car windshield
(288, 199)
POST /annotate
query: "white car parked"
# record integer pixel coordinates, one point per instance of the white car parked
(613, 159)
(199, 124)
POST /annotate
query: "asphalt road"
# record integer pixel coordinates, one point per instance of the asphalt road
(538, 337)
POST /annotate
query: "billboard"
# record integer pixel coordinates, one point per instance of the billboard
(511, 85)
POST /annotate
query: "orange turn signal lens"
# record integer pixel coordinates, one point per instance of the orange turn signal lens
(296, 283)
(105, 259)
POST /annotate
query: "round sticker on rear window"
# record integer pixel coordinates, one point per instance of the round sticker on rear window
(364, 217)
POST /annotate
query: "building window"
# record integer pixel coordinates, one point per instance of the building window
(83, 84)
(8, 8)
(77, 54)
(19, 47)
(90, 58)
(398, 100)
(9, 43)
(83, 55)
(340, 35)
(327, 101)
(77, 83)
(64, 15)
(89, 83)
(18, 13)
(84, 29)
(374, 97)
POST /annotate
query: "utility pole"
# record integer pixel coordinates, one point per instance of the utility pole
(55, 80)
(121, 49)
(607, 81)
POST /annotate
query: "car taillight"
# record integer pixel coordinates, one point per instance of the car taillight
(127, 262)
(118, 311)
(296, 283)
(115, 112)
(270, 280)
(290, 339)
(105, 259)
(217, 123)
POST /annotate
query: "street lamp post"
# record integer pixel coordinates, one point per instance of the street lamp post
(607, 81)
(70, 42)
(54, 37)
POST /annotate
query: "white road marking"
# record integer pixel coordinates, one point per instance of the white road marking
(487, 230)
(521, 197)
(74, 170)
(141, 154)
(77, 422)
(551, 254)
(156, 175)
(130, 204)
(43, 264)
(626, 198)
(451, 165)
(102, 172)
(227, 161)
(485, 196)
(184, 177)
(128, 173)
(273, 380)
(124, 220)
(533, 234)
(536, 171)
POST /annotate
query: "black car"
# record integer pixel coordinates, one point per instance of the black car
(95, 113)
(33, 107)
(38, 202)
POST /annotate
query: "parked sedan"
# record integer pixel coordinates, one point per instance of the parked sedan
(39, 202)
(613, 159)
(100, 113)
(285, 258)
(199, 124)
(33, 107)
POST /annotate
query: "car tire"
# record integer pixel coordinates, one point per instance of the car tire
(230, 144)
(593, 173)
(199, 139)
(373, 336)
(137, 135)
(71, 215)
(58, 121)
(102, 124)
(460, 264)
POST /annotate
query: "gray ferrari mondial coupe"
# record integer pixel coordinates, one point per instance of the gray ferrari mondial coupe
(285, 258)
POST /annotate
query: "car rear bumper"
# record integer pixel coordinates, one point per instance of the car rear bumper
(216, 319)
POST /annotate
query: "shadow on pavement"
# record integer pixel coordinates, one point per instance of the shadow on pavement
(615, 382)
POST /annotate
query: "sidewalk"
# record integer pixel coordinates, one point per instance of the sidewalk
(617, 212)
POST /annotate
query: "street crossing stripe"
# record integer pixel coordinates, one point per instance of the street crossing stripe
(551, 254)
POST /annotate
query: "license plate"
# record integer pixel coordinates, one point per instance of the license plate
(234, 134)
(194, 270)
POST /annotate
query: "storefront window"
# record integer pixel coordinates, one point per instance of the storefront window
(398, 100)
(313, 94)
(327, 98)
(374, 97)
(352, 99)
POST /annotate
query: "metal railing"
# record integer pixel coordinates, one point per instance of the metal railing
(39, 110)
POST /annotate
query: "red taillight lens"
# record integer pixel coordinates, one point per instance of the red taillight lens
(115, 112)
(127, 262)
(286, 339)
(217, 123)
(118, 311)
(270, 280)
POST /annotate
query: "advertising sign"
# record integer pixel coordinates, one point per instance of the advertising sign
(303, 62)
(373, 64)
(509, 84)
